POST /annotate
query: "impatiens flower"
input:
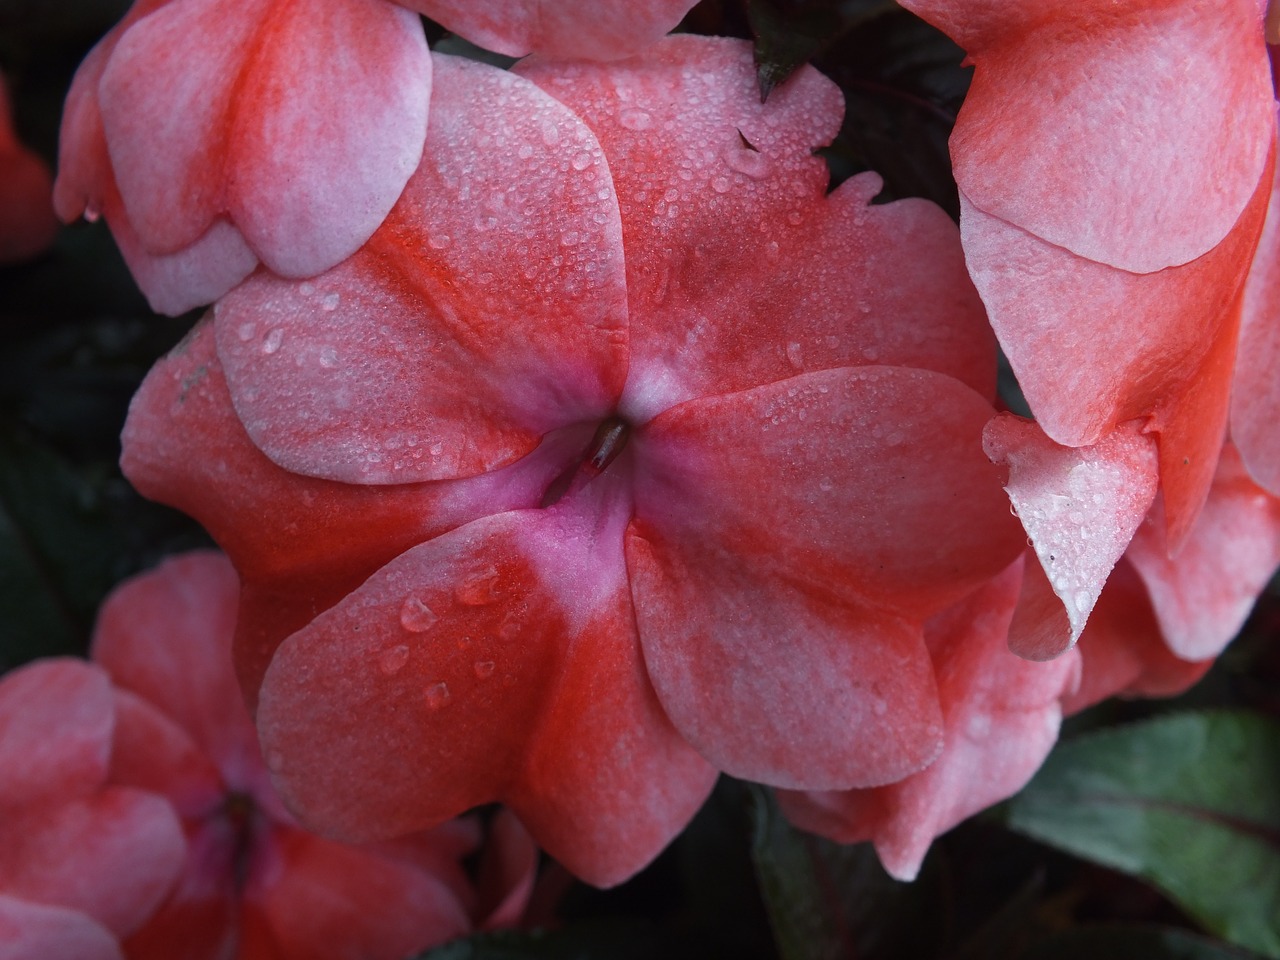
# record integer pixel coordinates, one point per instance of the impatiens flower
(622, 453)
(254, 884)
(281, 131)
(1001, 715)
(83, 861)
(1114, 165)
(27, 223)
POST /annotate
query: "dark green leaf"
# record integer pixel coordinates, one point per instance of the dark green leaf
(597, 940)
(1190, 802)
(1133, 943)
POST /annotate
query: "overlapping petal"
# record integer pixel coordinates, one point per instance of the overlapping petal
(497, 280)
(558, 29)
(27, 223)
(237, 137)
(1001, 719)
(789, 542)
(36, 931)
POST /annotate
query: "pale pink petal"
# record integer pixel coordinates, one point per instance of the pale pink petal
(322, 900)
(488, 310)
(37, 931)
(1001, 715)
(1078, 108)
(788, 543)
(1122, 650)
(1204, 592)
(1255, 396)
(300, 119)
(464, 672)
(1080, 506)
(1094, 346)
(114, 856)
(55, 732)
(559, 29)
(160, 631)
(301, 544)
(741, 269)
(151, 752)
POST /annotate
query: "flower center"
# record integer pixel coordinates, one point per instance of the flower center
(610, 440)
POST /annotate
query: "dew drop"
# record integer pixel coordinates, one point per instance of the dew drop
(393, 660)
(328, 358)
(1082, 600)
(525, 151)
(438, 696)
(720, 184)
(634, 119)
(245, 331)
(581, 161)
(92, 213)
(439, 241)
(510, 628)
(795, 355)
(795, 218)
(271, 342)
(329, 302)
(416, 616)
(307, 289)
(751, 162)
(484, 669)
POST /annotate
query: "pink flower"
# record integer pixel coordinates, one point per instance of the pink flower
(1114, 165)
(621, 454)
(203, 862)
(215, 137)
(27, 223)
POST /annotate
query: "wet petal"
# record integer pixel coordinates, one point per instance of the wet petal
(196, 124)
(488, 310)
(1063, 129)
(300, 544)
(1204, 592)
(1255, 398)
(741, 269)
(558, 29)
(788, 543)
(1080, 506)
(508, 868)
(1001, 715)
(55, 732)
(37, 931)
(466, 671)
(151, 752)
(1094, 346)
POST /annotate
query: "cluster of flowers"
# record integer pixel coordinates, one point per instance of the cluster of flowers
(573, 444)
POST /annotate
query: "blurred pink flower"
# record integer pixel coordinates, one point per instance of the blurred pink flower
(27, 223)
(168, 732)
(622, 453)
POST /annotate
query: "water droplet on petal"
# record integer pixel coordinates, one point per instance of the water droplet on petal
(328, 358)
(751, 162)
(416, 616)
(634, 119)
(245, 331)
(438, 696)
(439, 241)
(393, 660)
(271, 342)
(720, 184)
(92, 213)
(795, 355)
(582, 161)
(484, 669)
(329, 302)
(525, 151)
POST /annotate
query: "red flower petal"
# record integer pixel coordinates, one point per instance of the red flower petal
(1076, 109)
(1001, 715)
(560, 29)
(1122, 650)
(507, 871)
(788, 542)
(1255, 397)
(324, 901)
(36, 931)
(310, 541)
(1080, 506)
(497, 281)
(27, 222)
(198, 123)
(113, 856)
(1203, 594)
(55, 732)
(741, 270)
(476, 666)
(151, 752)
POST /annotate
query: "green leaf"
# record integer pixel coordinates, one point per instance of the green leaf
(1190, 802)
(827, 901)
(1133, 943)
